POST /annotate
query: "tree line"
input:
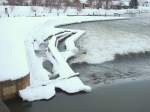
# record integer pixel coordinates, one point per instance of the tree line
(67, 3)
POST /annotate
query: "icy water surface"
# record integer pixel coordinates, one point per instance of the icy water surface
(107, 94)
(123, 68)
(131, 66)
(105, 39)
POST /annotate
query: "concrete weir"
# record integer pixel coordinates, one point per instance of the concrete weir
(60, 74)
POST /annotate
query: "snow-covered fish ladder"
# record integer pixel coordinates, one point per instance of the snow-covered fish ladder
(42, 86)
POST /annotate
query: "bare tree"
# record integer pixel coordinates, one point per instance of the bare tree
(58, 4)
(12, 2)
(107, 3)
(49, 4)
(99, 4)
(34, 2)
(134, 4)
(77, 4)
(33, 10)
(67, 3)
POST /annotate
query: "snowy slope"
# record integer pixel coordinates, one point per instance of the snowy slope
(13, 56)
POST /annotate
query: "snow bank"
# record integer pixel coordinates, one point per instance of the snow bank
(12, 59)
(37, 72)
(38, 93)
(13, 32)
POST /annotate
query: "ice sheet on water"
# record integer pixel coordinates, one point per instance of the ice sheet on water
(103, 47)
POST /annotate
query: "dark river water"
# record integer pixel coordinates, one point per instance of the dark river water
(126, 97)
(120, 85)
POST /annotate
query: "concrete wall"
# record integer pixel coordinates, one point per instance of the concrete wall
(9, 89)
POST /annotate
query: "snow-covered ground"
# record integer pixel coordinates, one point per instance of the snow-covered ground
(13, 56)
(15, 11)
